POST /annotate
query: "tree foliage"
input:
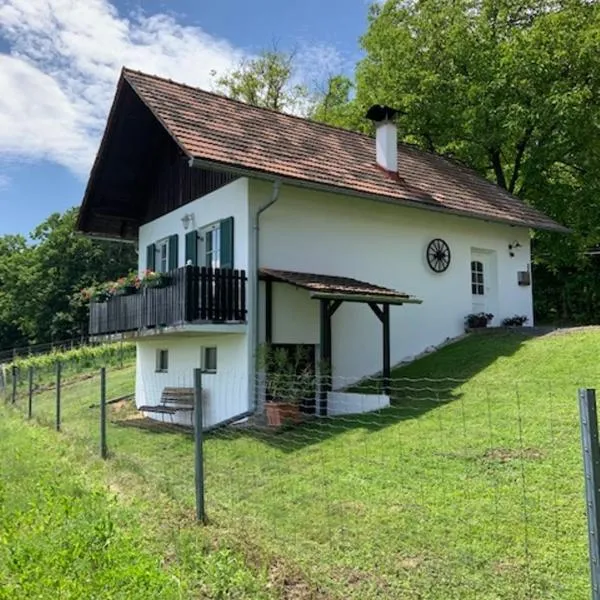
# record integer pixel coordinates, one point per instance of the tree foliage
(40, 281)
(512, 89)
(267, 80)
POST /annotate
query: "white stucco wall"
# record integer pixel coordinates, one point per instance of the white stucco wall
(225, 392)
(228, 201)
(383, 244)
(344, 403)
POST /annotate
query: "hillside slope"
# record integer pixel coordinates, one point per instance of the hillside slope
(469, 486)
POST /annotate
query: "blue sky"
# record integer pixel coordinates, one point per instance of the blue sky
(60, 59)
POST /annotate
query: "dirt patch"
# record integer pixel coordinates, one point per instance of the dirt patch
(291, 584)
(504, 455)
(355, 578)
(504, 567)
(122, 406)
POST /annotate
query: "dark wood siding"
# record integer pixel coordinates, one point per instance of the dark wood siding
(175, 183)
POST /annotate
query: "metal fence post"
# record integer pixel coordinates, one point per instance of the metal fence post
(103, 447)
(58, 369)
(30, 392)
(14, 383)
(591, 463)
(198, 446)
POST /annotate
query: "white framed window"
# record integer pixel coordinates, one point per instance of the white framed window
(209, 359)
(477, 278)
(162, 361)
(209, 251)
(162, 255)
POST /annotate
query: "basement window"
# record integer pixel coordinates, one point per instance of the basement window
(209, 360)
(162, 361)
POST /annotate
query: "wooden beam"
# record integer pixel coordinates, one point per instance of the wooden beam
(325, 384)
(378, 312)
(268, 311)
(334, 306)
(386, 349)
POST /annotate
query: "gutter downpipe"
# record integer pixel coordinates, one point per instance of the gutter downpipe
(255, 329)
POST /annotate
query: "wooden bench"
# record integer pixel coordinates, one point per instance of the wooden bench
(172, 401)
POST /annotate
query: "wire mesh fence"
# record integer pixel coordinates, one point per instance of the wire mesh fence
(450, 491)
(442, 489)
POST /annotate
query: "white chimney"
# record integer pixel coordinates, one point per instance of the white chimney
(386, 140)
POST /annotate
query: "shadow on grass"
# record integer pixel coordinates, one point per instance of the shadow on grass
(417, 388)
(152, 426)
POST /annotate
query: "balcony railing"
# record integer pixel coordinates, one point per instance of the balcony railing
(192, 295)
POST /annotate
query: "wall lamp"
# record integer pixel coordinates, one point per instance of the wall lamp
(513, 246)
(187, 220)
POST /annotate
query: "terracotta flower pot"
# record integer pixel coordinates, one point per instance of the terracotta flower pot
(280, 413)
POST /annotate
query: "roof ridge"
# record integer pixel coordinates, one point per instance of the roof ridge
(251, 106)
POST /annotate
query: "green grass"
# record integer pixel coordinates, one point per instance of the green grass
(470, 486)
(72, 526)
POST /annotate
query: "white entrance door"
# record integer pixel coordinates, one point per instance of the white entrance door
(483, 281)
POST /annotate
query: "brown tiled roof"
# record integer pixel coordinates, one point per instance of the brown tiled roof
(332, 284)
(216, 129)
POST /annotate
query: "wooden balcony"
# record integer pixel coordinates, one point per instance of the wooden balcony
(193, 295)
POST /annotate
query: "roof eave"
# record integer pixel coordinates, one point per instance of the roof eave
(366, 298)
(270, 176)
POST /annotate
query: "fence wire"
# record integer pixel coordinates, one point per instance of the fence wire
(443, 489)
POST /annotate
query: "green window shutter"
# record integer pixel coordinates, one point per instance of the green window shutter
(227, 243)
(151, 257)
(173, 248)
(191, 247)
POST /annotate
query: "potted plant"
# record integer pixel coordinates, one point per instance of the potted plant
(290, 379)
(478, 320)
(154, 279)
(516, 321)
(125, 286)
(96, 293)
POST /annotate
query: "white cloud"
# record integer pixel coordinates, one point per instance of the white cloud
(4, 181)
(65, 56)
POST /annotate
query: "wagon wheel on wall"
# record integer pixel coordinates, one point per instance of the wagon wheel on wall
(438, 255)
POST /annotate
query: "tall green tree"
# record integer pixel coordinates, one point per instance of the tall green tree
(512, 89)
(40, 281)
(267, 80)
(335, 105)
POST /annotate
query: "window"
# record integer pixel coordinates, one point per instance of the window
(210, 251)
(209, 360)
(162, 361)
(477, 285)
(162, 251)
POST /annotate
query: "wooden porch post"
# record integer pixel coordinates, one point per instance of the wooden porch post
(325, 384)
(383, 314)
(386, 349)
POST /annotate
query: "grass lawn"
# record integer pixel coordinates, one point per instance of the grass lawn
(469, 486)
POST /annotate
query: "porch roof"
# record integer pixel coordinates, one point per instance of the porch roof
(335, 287)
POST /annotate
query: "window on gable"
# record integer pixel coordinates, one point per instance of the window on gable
(162, 361)
(477, 281)
(209, 360)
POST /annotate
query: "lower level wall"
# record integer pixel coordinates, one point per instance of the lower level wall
(344, 403)
(225, 393)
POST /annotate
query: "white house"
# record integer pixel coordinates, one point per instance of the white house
(364, 250)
